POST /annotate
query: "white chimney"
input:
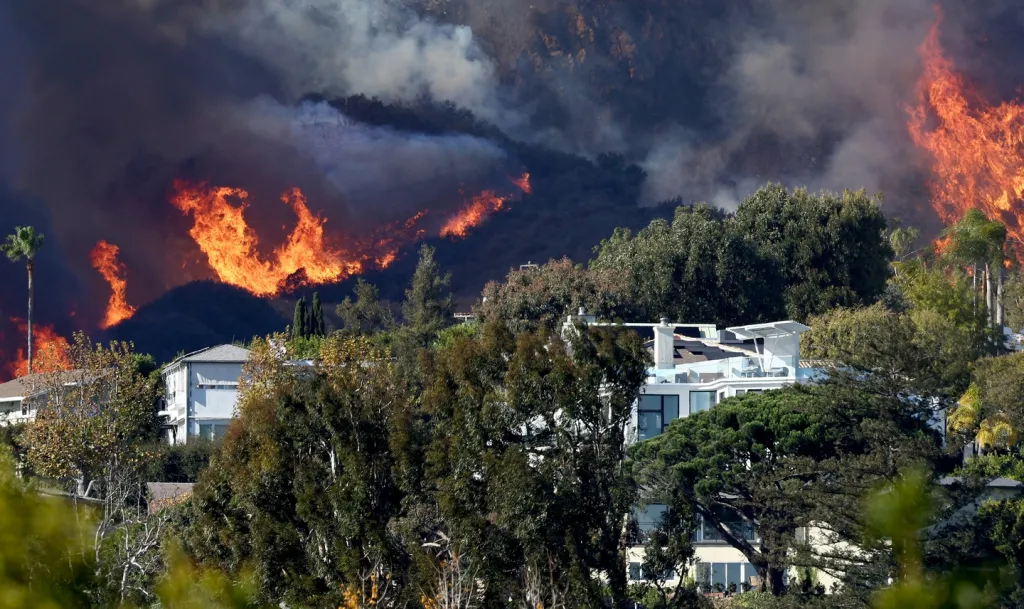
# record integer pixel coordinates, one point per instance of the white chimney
(664, 345)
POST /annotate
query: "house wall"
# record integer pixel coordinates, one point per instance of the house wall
(10, 413)
(200, 394)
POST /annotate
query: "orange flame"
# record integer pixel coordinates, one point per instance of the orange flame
(49, 350)
(306, 258)
(523, 183)
(220, 230)
(231, 246)
(104, 258)
(473, 214)
(479, 209)
(977, 150)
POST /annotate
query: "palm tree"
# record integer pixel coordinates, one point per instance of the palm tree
(979, 242)
(25, 243)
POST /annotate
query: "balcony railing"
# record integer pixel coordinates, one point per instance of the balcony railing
(730, 368)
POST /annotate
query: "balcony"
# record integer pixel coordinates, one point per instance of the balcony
(731, 368)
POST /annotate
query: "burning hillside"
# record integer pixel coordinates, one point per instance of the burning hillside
(308, 256)
(977, 149)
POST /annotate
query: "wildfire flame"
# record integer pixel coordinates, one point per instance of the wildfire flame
(977, 150)
(104, 258)
(479, 209)
(306, 257)
(49, 350)
(220, 230)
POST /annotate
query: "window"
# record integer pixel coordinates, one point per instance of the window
(232, 386)
(655, 412)
(701, 401)
(705, 532)
(636, 573)
(212, 431)
(24, 409)
(725, 575)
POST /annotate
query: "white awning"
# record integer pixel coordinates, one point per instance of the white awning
(775, 329)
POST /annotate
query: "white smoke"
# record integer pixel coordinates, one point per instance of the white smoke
(379, 48)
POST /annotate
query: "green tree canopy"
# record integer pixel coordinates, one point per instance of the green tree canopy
(783, 254)
(526, 456)
(306, 484)
(786, 459)
(534, 297)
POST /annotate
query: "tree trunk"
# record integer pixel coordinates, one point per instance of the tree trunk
(1000, 317)
(29, 317)
(974, 286)
(773, 578)
(776, 581)
(988, 293)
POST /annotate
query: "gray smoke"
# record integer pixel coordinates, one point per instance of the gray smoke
(825, 82)
(380, 48)
(120, 97)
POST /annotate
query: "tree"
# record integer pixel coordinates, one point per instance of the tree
(991, 411)
(784, 253)
(25, 243)
(300, 319)
(317, 327)
(978, 242)
(830, 248)
(783, 460)
(917, 350)
(525, 456)
(543, 296)
(429, 304)
(364, 315)
(306, 484)
(898, 514)
(93, 423)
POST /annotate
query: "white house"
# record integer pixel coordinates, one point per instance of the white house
(696, 366)
(201, 392)
(16, 403)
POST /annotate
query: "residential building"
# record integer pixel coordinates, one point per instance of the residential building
(19, 400)
(201, 392)
(696, 366)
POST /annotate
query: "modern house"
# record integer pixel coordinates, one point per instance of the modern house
(201, 392)
(695, 367)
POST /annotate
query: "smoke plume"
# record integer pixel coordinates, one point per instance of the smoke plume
(107, 101)
(814, 94)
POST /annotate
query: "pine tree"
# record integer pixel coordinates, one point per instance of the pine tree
(300, 321)
(318, 327)
(429, 304)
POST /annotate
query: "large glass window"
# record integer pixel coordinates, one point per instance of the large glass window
(654, 413)
(212, 431)
(706, 532)
(701, 401)
(722, 576)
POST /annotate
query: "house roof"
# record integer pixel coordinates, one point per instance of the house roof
(688, 350)
(224, 354)
(167, 494)
(20, 388)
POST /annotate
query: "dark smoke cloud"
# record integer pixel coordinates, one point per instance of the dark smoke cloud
(106, 101)
(824, 81)
(119, 97)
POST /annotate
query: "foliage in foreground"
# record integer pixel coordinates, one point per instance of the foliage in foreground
(46, 558)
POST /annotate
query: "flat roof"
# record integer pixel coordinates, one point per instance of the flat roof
(774, 329)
